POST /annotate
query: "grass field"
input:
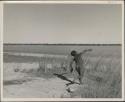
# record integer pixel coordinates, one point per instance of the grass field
(102, 77)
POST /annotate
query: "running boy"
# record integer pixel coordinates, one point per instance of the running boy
(79, 63)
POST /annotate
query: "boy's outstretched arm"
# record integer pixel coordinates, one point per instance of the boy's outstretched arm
(86, 50)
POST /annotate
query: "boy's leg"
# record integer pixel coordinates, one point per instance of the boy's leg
(75, 76)
(80, 74)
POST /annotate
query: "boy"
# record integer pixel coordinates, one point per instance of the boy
(79, 63)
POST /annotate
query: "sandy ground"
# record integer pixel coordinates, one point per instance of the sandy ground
(22, 85)
(37, 88)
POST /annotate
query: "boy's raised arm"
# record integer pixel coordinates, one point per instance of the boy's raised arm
(86, 50)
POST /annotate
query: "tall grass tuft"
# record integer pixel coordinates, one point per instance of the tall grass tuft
(104, 81)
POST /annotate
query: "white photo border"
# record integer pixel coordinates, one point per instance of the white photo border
(59, 2)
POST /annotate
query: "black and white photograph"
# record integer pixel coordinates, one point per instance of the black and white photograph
(62, 51)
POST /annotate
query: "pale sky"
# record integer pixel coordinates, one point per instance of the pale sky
(63, 23)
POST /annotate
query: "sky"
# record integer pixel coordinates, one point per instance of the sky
(63, 23)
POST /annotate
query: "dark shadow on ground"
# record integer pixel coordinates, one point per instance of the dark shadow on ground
(61, 76)
(14, 82)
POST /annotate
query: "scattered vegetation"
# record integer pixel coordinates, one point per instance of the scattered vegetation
(102, 76)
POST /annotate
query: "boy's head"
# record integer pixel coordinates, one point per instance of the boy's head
(73, 53)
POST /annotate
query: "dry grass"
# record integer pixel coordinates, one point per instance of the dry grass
(102, 77)
(102, 80)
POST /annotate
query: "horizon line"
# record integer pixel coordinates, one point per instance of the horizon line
(59, 44)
